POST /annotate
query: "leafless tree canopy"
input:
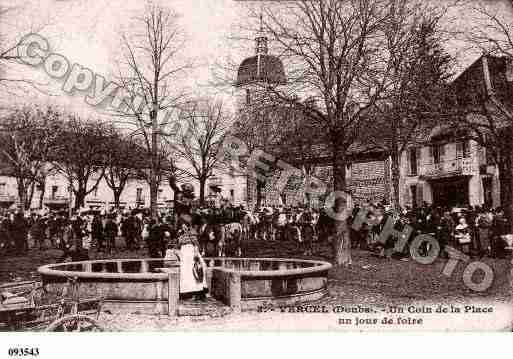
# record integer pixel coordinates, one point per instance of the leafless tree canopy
(207, 122)
(151, 66)
(29, 137)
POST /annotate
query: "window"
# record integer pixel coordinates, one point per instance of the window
(413, 195)
(138, 194)
(462, 149)
(2, 188)
(96, 191)
(489, 157)
(435, 152)
(413, 162)
(466, 149)
(232, 194)
(55, 190)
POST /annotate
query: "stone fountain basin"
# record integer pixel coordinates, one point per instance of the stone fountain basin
(143, 285)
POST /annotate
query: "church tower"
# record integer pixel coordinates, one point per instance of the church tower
(254, 72)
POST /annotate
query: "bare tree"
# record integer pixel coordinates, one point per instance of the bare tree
(333, 52)
(415, 97)
(80, 156)
(486, 112)
(28, 141)
(207, 122)
(152, 64)
(124, 159)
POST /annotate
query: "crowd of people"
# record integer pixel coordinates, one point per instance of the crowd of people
(222, 231)
(190, 232)
(474, 231)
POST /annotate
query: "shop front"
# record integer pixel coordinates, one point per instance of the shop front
(450, 191)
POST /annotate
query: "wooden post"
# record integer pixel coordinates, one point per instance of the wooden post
(144, 267)
(119, 266)
(87, 267)
(235, 292)
(159, 285)
(284, 284)
(173, 291)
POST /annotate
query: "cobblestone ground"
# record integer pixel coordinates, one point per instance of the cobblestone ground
(370, 281)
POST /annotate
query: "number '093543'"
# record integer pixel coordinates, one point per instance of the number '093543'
(23, 352)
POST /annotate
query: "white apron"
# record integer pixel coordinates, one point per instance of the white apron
(187, 281)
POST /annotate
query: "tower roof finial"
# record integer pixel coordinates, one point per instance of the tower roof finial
(261, 39)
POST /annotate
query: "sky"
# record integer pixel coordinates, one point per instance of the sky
(89, 32)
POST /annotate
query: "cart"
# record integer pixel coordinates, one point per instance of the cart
(28, 306)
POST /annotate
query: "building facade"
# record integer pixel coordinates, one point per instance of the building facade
(448, 173)
(56, 194)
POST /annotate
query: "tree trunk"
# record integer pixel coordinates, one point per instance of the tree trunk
(153, 192)
(80, 195)
(42, 194)
(395, 166)
(202, 182)
(22, 193)
(79, 199)
(30, 195)
(341, 241)
(154, 159)
(117, 196)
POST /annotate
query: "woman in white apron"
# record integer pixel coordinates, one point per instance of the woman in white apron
(192, 267)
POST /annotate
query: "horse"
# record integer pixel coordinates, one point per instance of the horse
(232, 238)
(249, 225)
(279, 224)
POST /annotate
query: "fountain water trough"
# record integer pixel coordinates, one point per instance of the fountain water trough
(152, 285)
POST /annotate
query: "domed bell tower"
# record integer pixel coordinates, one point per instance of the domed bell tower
(253, 72)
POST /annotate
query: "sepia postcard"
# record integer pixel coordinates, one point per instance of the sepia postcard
(255, 165)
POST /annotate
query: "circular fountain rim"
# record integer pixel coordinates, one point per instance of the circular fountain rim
(320, 267)
(50, 271)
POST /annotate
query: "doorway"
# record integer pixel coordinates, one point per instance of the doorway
(451, 192)
(487, 192)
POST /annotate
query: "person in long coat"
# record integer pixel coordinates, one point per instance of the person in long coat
(97, 232)
(111, 231)
(129, 228)
(155, 243)
(499, 228)
(19, 232)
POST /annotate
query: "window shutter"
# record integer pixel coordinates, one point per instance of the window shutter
(406, 162)
(466, 149)
(442, 152)
(459, 149)
(431, 155)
